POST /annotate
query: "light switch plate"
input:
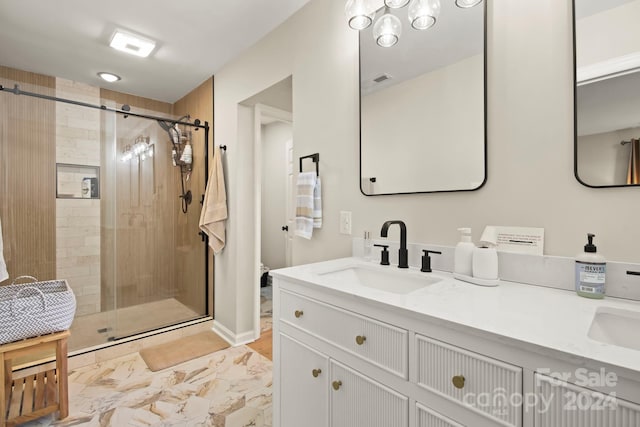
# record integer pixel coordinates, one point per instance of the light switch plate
(345, 222)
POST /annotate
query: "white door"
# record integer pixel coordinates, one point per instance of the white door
(359, 401)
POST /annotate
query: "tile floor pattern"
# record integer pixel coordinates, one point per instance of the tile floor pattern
(229, 388)
(266, 308)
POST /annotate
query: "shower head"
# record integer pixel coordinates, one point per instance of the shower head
(171, 127)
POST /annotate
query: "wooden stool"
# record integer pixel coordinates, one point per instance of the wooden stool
(34, 396)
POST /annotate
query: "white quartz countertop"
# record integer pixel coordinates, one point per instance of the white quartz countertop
(550, 318)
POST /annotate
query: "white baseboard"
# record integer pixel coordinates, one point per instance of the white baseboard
(233, 339)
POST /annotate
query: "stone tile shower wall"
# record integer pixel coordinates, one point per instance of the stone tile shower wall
(77, 219)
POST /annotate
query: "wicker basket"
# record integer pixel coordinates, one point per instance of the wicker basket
(31, 309)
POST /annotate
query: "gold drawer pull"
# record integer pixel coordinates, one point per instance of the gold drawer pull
(336, 385)
(316, 372)
(458, 381)
(360, 339)
(298, 313)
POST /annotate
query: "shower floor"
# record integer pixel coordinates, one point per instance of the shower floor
(95, 329)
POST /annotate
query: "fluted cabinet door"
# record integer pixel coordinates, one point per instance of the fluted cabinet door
(563, 404)
(426, 417)
(304, 385)
(359, 401)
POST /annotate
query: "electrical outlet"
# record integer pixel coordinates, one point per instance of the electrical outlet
(345, 222)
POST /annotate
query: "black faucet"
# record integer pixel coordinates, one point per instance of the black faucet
(403, 254)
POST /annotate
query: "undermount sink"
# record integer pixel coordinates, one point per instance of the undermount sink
(616, 327)
(395, 281)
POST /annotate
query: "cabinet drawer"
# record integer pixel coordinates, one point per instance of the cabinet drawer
(484, 385)
(379, 343)
(426, 417)
(569, 405)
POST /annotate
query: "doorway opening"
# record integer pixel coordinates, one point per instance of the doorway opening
(274, 203)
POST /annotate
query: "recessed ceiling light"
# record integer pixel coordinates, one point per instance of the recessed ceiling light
(110, 77)
(132, 43)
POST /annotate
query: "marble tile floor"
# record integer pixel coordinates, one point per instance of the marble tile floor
(266, 308)
(229, 388)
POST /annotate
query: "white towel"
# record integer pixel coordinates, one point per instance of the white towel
(4, 275)
(214, 209)
(317, 204)
(305, 186)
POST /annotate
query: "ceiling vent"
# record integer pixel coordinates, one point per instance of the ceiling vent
(381, 78)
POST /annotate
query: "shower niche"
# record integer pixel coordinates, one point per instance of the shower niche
(77, 181)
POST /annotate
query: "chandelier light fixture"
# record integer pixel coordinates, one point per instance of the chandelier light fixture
(466, 4)
(421, 14)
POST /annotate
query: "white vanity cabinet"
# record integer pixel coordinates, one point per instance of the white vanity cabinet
(564, 404)
(315, 389)
(382, 362)
(340, 395)
(311, 335)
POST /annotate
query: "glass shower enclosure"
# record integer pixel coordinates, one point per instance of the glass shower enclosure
(107, 198)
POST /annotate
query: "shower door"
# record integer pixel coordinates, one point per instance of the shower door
(158, 277)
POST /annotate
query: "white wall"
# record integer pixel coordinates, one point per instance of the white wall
(436, 135)
(530, 145)
(274, 180)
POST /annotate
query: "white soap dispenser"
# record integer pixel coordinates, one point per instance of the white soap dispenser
(463, 256)
(485, 258)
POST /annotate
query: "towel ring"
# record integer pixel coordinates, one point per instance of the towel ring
(315, 158)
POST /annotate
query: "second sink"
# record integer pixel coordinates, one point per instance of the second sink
(617, 327)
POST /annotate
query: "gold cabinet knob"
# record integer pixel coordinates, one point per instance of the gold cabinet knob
(298, 313)
(336, 385)
(360, 339)
(458, 381)
(316, 372)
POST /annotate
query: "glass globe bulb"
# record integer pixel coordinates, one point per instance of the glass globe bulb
(360, 13)
(423, 14)
(387, 30)
(396, 4)
(466, 4)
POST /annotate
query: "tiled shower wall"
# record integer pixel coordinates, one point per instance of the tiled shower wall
(77, 219)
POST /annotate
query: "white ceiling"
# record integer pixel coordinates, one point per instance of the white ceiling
(195, 38)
